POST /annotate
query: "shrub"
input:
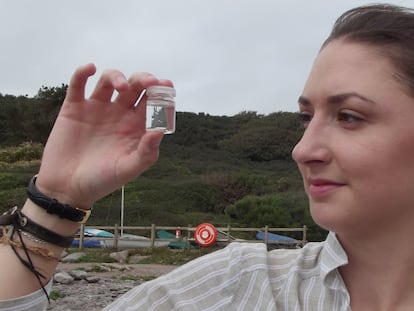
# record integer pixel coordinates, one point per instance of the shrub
(27, 151)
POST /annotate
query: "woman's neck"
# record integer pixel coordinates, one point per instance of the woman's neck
(380, 272)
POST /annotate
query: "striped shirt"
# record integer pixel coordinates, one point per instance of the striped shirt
(35, 301)
(247, 277)
(241, 276)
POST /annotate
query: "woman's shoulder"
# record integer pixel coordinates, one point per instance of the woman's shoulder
(314, 260)
(307, 255)
(221, 276)
(236, 258)
(240, 258)
(256, 255)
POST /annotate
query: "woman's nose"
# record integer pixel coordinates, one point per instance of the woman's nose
(314, 146)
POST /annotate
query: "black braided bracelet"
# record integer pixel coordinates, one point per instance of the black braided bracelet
(53, 206)
(20, 221)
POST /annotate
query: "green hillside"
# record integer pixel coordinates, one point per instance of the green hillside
(225, 170)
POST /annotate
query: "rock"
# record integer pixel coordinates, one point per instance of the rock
(63, 278)
(79, 274)
(74, 257)
(91, 296)
(64, 254)
(113, 266)
(104, 268)
(92, 279)
(89, 268)
(121, 256)
(99, 288)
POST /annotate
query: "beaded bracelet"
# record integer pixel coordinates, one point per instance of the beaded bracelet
(5, 239)
(31, 237)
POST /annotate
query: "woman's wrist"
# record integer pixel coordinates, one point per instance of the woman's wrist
(36, 239)
(54, 206)
(52, 222)
(62, 193)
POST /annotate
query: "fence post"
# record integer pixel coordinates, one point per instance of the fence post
(81, 236)
(153, 236)
(304, 235)
(116, 236)
(188, 237)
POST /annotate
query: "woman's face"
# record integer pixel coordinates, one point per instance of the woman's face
(356, 155)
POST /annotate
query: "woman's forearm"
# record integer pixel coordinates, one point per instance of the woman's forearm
(18, 280)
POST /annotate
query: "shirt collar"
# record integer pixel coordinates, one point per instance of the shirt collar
(333, 256)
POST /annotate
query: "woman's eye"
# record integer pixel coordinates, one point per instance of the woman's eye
(305, 118)
(348, 117)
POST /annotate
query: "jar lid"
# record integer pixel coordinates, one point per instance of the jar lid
(160, 89)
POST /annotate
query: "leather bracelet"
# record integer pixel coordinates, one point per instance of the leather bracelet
(21, 222)
(53, 206)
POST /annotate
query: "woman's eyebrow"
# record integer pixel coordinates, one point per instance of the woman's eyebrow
(304, 101)
(335, 99)
(340, 98)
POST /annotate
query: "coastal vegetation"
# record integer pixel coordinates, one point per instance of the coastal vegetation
(220, 169)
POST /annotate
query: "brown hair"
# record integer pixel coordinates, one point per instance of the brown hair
(387, 27)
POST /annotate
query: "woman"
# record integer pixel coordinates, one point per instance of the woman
(355, 158)
(356, 155)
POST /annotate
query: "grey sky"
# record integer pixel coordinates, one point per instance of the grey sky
(224, 56)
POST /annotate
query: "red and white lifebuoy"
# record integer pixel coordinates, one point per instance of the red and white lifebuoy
(205, 234)
(178, 233)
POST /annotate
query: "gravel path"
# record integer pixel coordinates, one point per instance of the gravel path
(103, 287)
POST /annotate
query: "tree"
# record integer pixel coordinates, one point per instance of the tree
(40, 113)
(265, 138)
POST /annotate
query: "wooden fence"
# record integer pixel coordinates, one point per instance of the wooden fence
(224, 236)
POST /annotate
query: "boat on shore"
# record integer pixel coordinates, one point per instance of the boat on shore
(96, 238)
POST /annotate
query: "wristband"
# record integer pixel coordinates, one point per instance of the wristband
(20, 221)
(53, 206)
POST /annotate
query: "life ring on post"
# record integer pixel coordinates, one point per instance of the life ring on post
(178, 233)
(205, 234)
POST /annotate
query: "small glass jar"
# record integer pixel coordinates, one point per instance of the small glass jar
(161, 108)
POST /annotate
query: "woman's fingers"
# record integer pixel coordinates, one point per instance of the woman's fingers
(137, 83)
(109, 81)
(76, 89)
(146, 154)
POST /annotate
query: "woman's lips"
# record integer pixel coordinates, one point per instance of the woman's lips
(322, 187)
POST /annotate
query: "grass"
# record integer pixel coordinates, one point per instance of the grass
(166, 256)
(94, 255)
(129, 277)
(54, 295)
(96, 268)
(160, 255)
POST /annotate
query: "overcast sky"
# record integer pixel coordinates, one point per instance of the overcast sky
(224, 56)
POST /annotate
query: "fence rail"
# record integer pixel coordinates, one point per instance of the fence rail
(224, 234)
